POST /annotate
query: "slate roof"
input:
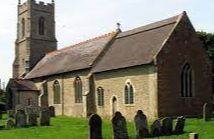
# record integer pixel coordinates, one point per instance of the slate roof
(75, 57)
(21, 84)
(136, 47)
(130, 48)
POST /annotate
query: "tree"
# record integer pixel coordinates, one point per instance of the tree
(208, 41)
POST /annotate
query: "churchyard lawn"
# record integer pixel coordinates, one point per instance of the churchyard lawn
(77, 128)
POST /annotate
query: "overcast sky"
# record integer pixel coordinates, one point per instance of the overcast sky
(77, 20)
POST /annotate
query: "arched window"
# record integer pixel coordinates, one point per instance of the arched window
(186, 81)
(100, 96)
(56, 92)
(23, 27)
(129, 93)
(41, 26)
(78, 90)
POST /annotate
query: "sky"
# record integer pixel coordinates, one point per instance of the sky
(78, 20)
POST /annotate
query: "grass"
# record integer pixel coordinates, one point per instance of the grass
(77, 128)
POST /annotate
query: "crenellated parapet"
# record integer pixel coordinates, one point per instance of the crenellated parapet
(37, 5)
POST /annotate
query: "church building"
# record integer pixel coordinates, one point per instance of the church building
(160, 68)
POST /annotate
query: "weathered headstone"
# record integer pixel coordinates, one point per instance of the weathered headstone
(10, 124)
(45, 117)
(141, 125)
(167, 126)
(179, 125)
(207, 111)
(119, 126)
(193, 136)
(19, 107)
(11, 113)
(21, 118)
(32, 119)
(52, 111)
(32, 109)
(95, 123)
(156, 128)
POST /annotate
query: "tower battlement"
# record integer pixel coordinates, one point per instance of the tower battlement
(38, 5)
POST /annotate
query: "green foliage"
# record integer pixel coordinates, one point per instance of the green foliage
(208, 41)
(77, 128)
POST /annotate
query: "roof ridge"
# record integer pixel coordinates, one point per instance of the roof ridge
(83, 42)
(150, 26)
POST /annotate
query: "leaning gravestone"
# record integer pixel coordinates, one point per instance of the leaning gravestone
(32, 119)
(207, 112)
(45, 117)
(10, 124)
(179, 125)
(21, 119)
(141, 125)
(52, 111)
(119, 126)
(95, 123)
(167, 126)
(156, 129)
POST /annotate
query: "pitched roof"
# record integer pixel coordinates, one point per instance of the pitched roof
(75, 57)
(138, 46)
(21, 84)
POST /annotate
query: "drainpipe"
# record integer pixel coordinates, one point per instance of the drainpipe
(63, 89)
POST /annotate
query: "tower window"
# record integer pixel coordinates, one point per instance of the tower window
(186, 81)
(23, 27)
(100, 96)
(57, 92)
(78, 90)
(27, 65)
(41, 26)
(129, 93)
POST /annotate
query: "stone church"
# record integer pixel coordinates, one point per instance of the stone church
(160, 68)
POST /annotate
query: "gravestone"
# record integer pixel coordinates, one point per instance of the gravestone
(45, 117)
(141, 125)
(32, 109)
(52, 111)
(11, 113)
(207, 111)
(32, 119)
(19, 107)
(95, 123)
(10, 124)
(156, 128)
(119, 126)
(193, 136)
(167, 126)
(21, 119)
(179, 125)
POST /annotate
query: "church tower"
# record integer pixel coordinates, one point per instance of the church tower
(35, 35)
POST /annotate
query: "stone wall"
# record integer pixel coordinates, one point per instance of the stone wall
(183, 47)
(68, 106)
(26, 98)
(144, 81)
